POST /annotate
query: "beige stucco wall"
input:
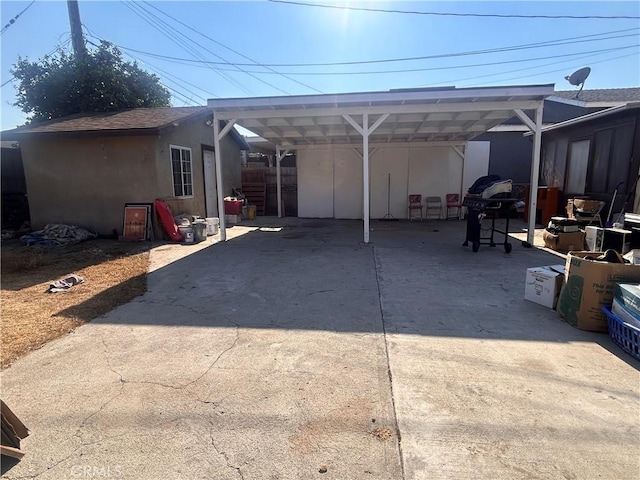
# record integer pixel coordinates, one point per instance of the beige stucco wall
(87, 180)
(195, 135)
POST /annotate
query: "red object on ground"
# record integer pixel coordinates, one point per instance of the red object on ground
(168, 224)
(233, 207)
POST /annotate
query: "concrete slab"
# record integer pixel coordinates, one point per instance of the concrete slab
(295, 351)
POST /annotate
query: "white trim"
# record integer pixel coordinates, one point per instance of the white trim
(376, 145)
(525, 119)
(301, 111)
(216, 151)
(391, 96)
(535, 174)
(173, 187)
(512, 128)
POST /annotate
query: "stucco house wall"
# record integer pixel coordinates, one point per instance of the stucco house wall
(87, 181)
(198, 136)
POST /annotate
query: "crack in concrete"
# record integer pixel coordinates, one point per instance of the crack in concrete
(235, 341)
(222, 453)
(389, 373)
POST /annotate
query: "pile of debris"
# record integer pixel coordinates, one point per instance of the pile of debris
(58, 234)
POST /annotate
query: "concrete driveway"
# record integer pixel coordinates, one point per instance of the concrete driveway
(293, 351)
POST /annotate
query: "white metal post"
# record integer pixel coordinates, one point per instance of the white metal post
(216, 151)
(535, 173)
(365, 173)
(278, 181)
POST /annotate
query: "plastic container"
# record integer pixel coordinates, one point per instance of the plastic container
(187, 234)
(213, 225)
(199, 230)
(233, 207)
(251, 212)
(626, 336)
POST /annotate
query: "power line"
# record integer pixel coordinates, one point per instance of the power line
(234, 51)
(166, 25)
(453, 67)
(213, 53)
(160, 25)
(450, 14)
(563, 69)
(58, 48)
(178, 80)
(13, 20)
(527, 46)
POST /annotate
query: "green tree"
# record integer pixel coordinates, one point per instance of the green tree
(58, 85)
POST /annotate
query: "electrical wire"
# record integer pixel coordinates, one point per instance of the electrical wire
(453, 67)
(528, 69)
(234, 51)
(178, 81)
(450, 14)
(168, 32)
(563, 69)
(166, 25)
(13, 20)
(213, 53)
(58, 48)
(550, 43)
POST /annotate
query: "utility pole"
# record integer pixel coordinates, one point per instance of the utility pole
(77, 39)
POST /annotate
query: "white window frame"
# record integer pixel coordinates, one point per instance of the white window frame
(183, 184)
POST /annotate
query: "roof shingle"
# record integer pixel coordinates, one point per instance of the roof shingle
(134, 119)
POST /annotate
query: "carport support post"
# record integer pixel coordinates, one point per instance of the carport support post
(365, 173)
(217, 135)
(279, 156)
(365, 131)
(536, 128)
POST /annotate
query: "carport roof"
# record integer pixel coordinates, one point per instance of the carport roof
(446, 114)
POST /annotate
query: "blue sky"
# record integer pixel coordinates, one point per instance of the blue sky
(285, 33)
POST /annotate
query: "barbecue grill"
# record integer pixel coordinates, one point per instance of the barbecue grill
(478, 208)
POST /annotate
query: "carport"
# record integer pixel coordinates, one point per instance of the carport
(444, 117)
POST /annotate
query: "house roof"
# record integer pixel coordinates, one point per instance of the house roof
(446, 114)
(138, 120)
(591, 116)
(601, 97)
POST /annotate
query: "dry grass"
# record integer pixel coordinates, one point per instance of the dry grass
(114, 273)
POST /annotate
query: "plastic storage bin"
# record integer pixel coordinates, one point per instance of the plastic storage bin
(199, 230)
(624, 335)
(233, 207)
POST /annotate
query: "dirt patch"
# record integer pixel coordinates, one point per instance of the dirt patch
(382, 433)
(114, 273)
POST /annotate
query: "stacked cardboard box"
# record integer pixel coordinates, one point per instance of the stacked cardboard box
(590, 284)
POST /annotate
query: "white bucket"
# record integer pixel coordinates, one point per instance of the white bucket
(187, 233)
(213, 224)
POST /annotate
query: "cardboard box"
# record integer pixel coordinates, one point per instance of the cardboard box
(543, 285)
(586, 205)
(590, 284)
(563, 242)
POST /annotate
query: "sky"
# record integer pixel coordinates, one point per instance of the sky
(216, 49)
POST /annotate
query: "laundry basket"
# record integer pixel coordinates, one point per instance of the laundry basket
(626, 336)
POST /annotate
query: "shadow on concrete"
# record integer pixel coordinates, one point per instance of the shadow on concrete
(414, 278)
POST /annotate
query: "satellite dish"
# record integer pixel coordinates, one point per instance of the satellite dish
(578, 78)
